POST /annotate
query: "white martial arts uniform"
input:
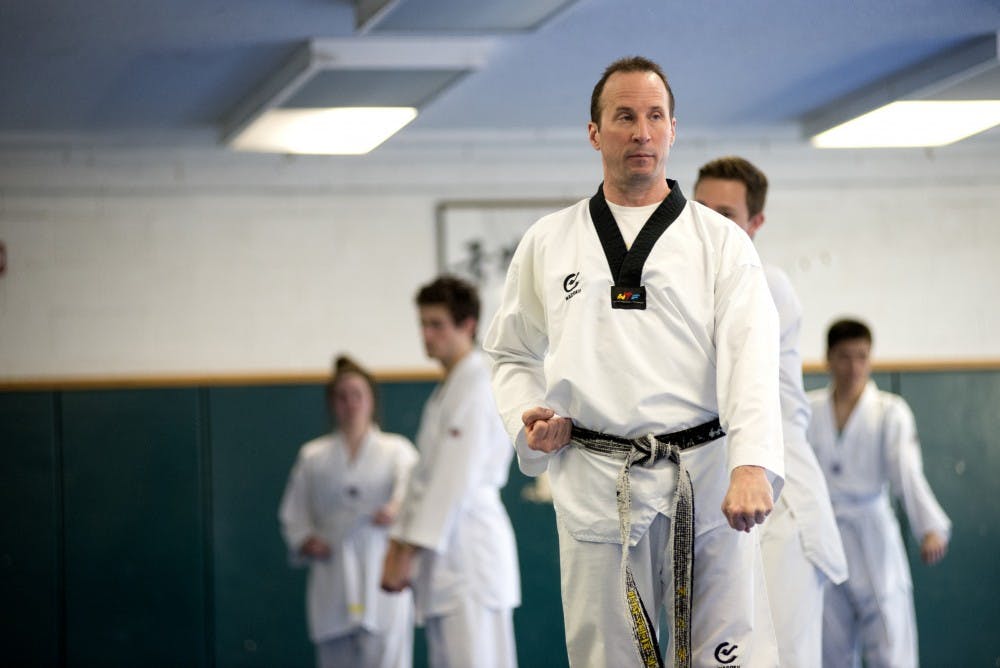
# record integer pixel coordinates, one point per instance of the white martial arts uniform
(335, 499)
(872, 613)
(706, 345)
(800, 541)
(467, 581)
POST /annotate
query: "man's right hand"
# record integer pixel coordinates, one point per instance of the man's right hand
(546, 431)
(315, 548)
(398, 566)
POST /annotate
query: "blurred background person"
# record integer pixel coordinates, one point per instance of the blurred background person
(343, 493)
(800, 543)
(866, 443)
(453, 541)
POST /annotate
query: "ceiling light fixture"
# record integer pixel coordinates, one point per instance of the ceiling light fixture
(331, 131)
(913, 123)
(938, 101)
(348, 96)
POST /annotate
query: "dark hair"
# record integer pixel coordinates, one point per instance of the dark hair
(344, 366)
(734, 168)
(846, 329)
(460, 297)
(630, 64)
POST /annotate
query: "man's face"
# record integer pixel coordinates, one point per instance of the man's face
(850, 364)
(636, 131)
(728, 197)
(444, 340)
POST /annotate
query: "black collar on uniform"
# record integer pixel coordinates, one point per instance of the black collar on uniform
(626, 264)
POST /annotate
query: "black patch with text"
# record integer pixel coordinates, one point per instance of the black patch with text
(628, 297)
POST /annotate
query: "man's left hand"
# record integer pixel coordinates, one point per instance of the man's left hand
(749, 498)
(933, 548)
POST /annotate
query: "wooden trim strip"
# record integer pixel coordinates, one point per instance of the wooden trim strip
(912, 366)
(200, 380)
(50, 383)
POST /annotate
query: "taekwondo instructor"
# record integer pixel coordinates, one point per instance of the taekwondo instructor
(636, 325)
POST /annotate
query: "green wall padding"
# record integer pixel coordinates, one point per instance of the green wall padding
(958, 609)
(135, 580)
(259, 611)
(30, 581)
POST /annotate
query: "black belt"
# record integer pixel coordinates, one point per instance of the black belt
(645, 451)
(683, 439)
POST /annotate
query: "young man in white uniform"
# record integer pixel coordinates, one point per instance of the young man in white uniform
(342, 494)
(453, 522)
(800, 542)
(607, 364)
(866, 443)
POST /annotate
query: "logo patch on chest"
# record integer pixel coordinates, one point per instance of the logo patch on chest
(628, 298)
(571, 285)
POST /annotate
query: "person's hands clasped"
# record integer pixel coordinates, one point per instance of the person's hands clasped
(748, 500)
(546, 431)
(315, 548)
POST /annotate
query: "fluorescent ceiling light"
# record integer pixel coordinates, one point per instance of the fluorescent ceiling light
(939, 100)
(347, 96)
(332, 131)
(913, 123)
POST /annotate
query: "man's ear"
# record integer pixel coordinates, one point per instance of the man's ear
(469, 326)
(594, 133)
(755, 222)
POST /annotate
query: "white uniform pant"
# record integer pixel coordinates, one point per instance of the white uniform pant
(859, 623)
(364, 649)
(795, 590)
(731, 622)
(473, 636)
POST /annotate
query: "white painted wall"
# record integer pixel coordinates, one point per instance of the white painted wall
(179, 260)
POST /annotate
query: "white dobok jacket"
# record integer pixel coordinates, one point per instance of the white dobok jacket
(452, 507)
(335, 499)
(706, 345)
(877, 451)
(805, 490)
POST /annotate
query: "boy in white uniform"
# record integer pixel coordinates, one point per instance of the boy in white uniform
(800, 541)
(453, 522)
(866, 443)
(342, 495)
(630, 357)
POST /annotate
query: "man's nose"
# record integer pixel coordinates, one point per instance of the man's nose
(641, 131)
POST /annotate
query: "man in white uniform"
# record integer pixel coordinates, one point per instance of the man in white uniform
(453, 522)
(866, 443)
(635, 326)
(800, 542)
(343, 493)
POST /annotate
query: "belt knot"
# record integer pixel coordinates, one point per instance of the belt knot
(645, 451)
